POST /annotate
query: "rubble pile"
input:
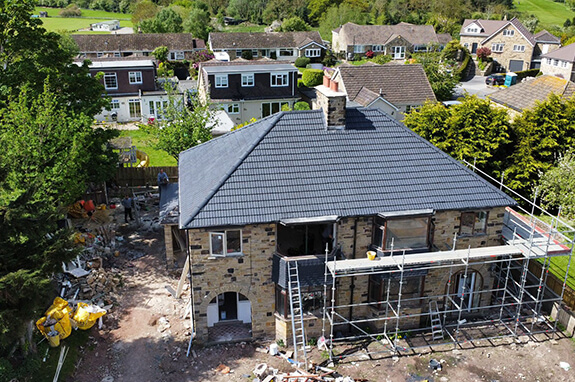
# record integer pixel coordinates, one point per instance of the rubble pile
(99, 282)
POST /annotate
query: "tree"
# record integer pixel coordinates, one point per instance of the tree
(198, 24)
(161, 53)
(251, 10)
(166, 21)
(301, 106)
(483, 53)
(557, 186)
(339, 15)
(183, 126)
(294, 24)
(439, 74)
(143, 10)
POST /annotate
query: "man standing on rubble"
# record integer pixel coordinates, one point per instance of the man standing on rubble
(127, 203)
(162, 181)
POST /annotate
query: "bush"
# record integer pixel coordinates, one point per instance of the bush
(300, 83)
(247, 54)
(312, 77)
(329, 59)
(301, 106)
(369, 54)
(450, 50)
(382, 59)
(527, 73)
(302, 62)
(273, 55)
(483, 53)
(71, 10)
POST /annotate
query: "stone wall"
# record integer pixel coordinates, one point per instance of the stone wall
(333, 105)
(558, 71)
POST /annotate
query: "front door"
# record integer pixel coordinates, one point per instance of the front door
(474, 48)
(229, 306)
(465, 290)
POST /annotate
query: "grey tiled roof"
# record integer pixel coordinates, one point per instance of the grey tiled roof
(290, 166)
(263, 40)
(545, 36)
(399, 84)
(380, 34)
(525, 95)
(137, 42)
(169, 209)
(488, 27)
(566, 53)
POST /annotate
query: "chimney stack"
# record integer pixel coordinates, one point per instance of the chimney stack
(332, 102)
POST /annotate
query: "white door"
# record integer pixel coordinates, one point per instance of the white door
(244, 310)
(465, 290)
(212, 314)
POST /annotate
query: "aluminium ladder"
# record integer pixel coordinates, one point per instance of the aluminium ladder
(298, 331)
(436, 327)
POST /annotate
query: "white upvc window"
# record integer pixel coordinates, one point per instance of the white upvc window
(398, 52)
(254, 53)
(313, 52)
(110, 81)
(286, 52)
(563, 64)
(135, 77)
(117, 54)
(248, 79)
(377, 48)
(99, 54)
(238, 53)
(472, 30)
(176, 55)
(358, 49)
(233, 108)
(135, 108)
(279, 79)
(226, 243)
(420, 48)
(555, 63)
(508, 32)
(115, 104)
(519, 48)
(498, 48)
(548, 61)
(221, 80)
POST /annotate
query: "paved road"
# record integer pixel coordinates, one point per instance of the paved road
(474, 86)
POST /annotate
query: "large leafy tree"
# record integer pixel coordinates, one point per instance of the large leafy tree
(165, 21)
(439, 73)
(557, 186)
(198, 23)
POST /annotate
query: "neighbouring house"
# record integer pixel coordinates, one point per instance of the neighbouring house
(105, 26)
(560, 62)
(395, 40)
(512, 46)
(248, 89)
(264, 207)
(526, 95)
(181, 45)
(395, 89)
(286, 46)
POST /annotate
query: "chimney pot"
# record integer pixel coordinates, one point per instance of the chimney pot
(333, 86)
(326, 81)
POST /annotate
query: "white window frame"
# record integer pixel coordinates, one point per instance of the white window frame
(99, 54)
(238, 53)
(284, 52)
(135, 101)
(117, 54)
(248, 80)
(224, 235)
(135, 77)
(176, 55)
(519, 48)
(555, 62)
(420, 48)
(110, 75)
(233, 108)
(548, 61)
(313, 52)
(472, 30)
(563, 64)
(115, 104)
(508, 32)
(497, 47)
(280, 104)
(358, 49)
(279, 79)
(255, 53)
(221, 80)
(377, 48)
(398, 52)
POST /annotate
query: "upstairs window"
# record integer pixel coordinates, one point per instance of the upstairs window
(473, 223)
(508, 32)
(226, 243)
(110, 81)
(255, 53)
(221, 80)
(279, 79)
(410, 233)
(519, 48)
(135, 77)
(313, 52)
(473, 29)
(497, 48)
(248, 79)
(563, 64)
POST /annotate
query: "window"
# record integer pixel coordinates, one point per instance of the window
(248, 79)
(472, 30)
(226, 243)
(555, 63)
(358, 49)
(99, 54)
(398, 52)
(221, 80)
(115, 104)
(519, 48)
(466, 45)
(233, 108)
(117, 54)
(563, 64)
(420, 48)
(508, 32)
(313, 52)
(157, 108)
(473, 223)
(238, 53)
(254, 53)
(135, 108)
(311, 296)
(497, 48)
(286, 52)
(405, 233)
(176, 55)
(279, 79)
(411, 290)
(110, 81)
(269, 108)
(135, 77)
(377, 48)
(548, 61)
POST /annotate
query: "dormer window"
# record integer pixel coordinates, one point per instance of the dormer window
(279, 79)
(508, 32)
(248, 80)
(221, 80)
(472, 29)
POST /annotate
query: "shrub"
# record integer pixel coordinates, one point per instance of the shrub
(527, 73)
(71, 10)
(312, 77)
(273, 55)
(302, 62)
(382, 59)
(483, 53)
(301, 106)
(247, 54)
(300, 83)
(286, 107)
(329, 59)
(369, 54)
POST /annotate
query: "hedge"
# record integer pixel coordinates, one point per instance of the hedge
(312, 77)
(301, 62)
(459, 71)
(527, 73)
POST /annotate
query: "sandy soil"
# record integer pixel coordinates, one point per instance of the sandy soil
(136, 345)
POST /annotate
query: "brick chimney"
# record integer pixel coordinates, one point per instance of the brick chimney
(332, 102)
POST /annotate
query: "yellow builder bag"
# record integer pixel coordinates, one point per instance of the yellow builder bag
(86, 315)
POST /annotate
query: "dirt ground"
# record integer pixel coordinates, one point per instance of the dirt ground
(136, 343)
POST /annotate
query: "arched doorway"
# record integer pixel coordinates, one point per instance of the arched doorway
(465, 290)
(229, 317)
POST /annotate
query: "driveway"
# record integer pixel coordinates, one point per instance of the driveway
(476, 86)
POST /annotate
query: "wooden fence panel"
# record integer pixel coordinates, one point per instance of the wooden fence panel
(143, 176)
(555, 284)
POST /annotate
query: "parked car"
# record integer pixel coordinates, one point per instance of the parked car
(495, 79)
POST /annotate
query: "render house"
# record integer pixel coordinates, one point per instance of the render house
(396, 40)
(283, 46)
(395, 89)
(281, 214)
(512, 46)
(248, 89)
(181, 45)
(560, 62)
(105, 26)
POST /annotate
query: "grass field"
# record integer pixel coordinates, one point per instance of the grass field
(142, 141)
(56, 23)
(244, 28)
(547, 11)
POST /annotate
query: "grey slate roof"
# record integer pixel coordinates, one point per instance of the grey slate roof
(526, 94)
(399, 84)
(566, 53)
(169, 208)
(546, 37)
(488, 27)
(381, 34)
(263, 40)
(289, 165)
(137, 42)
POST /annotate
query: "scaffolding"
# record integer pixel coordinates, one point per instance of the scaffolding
(516, 301)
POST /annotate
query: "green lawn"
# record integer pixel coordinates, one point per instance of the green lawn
(142, 141)
(245, 27)
(56, 23)
(558, 267)
(547, 11)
